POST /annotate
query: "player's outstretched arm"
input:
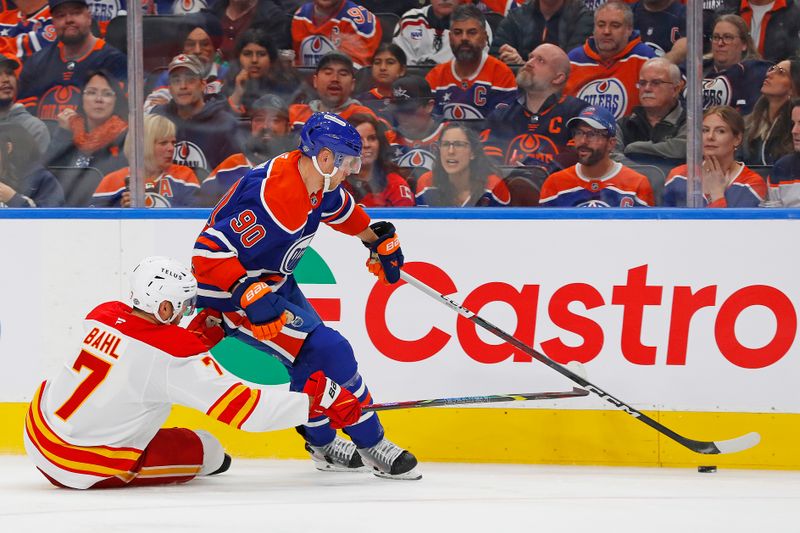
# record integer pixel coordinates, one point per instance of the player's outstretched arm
(386, 257)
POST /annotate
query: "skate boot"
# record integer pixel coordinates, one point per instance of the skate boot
(339, 455)
(389, 460)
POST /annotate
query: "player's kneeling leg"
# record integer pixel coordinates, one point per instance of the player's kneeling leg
(215, 460)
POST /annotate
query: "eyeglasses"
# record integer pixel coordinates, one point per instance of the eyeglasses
(655, 84)
(93, 93)
(726, 38)
(460, 145)
(779, 70)
(590, 135)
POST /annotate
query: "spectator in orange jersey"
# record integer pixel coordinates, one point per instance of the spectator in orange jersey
(388, 65)
(377, 184)
(596, 180)
(26, 29)
(335, 81)
(323, 26)
(725, 181)
(462, 175)
(473, 83)
(92, 135)
(605, 69)
(166, 184)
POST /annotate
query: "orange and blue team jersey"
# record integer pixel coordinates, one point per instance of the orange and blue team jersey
(353, 30)
(495, 193)
(621, 187)
(225, 175)
(300, 113)
(21, 36)
(49, 83)
(612, 83)
(747, 189)
(261, 228)
(491, 86)
(784, 180)
(177, 186)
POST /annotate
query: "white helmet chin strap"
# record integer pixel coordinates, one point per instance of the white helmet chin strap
(326, 177)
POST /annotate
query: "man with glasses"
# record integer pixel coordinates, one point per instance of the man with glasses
(657, 127)
(596, 180)
(606, 67)
(532, 130)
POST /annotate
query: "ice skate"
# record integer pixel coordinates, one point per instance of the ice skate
(337, 456)
(389, 460)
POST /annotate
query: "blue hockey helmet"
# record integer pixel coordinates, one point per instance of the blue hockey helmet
(328, 130)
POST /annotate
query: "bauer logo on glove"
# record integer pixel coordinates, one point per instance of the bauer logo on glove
(386, 256)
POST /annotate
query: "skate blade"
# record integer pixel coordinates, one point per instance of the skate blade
(411, 475)
(324, 466)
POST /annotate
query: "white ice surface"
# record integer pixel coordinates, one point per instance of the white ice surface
(290, 496)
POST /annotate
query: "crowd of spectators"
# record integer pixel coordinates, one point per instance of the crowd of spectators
(458, 102)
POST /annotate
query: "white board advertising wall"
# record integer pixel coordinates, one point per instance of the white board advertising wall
(694, 315)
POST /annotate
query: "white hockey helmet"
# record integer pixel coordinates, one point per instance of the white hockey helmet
(157, 279)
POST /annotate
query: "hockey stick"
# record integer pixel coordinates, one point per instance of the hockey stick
(737, 444)
(465, 400)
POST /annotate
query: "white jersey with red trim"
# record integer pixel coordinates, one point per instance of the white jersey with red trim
(95, 417)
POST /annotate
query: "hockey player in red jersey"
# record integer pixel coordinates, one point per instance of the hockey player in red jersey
(97, 422)
(596, 180)
(244, 261)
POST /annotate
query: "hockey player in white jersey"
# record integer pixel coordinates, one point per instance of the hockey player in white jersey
(97, 423)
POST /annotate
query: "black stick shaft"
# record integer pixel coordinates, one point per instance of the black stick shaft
(467, 400)
(707, 447)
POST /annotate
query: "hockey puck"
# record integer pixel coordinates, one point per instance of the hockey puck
(710, 469)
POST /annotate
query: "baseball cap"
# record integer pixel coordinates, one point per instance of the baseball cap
(10, 61)
(597, 117)
(336, 57)
(186, 61)
(410, 92)
(54, 3)
(271, 102)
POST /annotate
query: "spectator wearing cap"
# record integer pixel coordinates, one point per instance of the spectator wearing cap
(207, 131)
(424, 33)
(256, 72)
(606, 67)
(24, 182)
(564, 23)
(334, 81)
(595, 180)
(418, 129)
(270, 136)
(201, 37)
(377, 183)
(12, 112)
(532, 130)
(26, 29)
(92, 135)
(238, 16)
(52, 78)
(473, 83)
(323, 26)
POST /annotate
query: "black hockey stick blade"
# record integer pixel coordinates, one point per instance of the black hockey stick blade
(468, 400)
(737, 444)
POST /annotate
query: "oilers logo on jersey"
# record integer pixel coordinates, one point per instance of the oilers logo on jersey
(609, 93)
(56, 100)
(181, 7)
(294, 254)
(716, 91)
(314, 47)
(460, 111)
(152, 199)
(528, 147)
(189, 155)
(105, 10)
(414, 158)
